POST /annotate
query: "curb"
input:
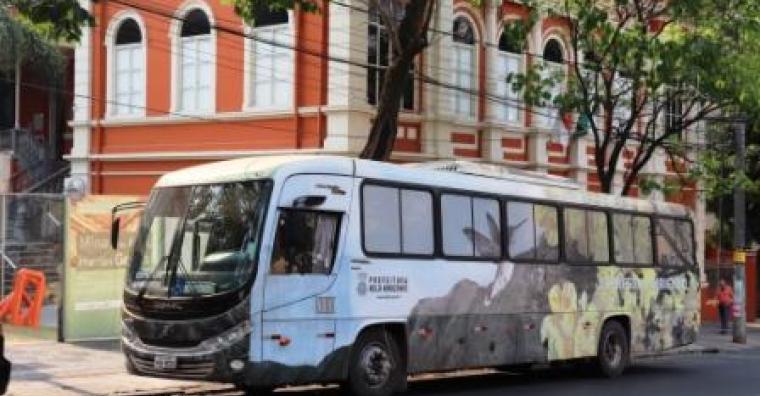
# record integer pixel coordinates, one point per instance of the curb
(683, 351)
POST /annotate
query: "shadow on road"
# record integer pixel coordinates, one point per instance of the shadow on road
(504, 381)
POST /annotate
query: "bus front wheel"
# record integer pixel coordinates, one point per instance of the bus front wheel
(376, 368)
(613, 353)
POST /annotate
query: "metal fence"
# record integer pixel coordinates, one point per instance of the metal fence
(31, 236)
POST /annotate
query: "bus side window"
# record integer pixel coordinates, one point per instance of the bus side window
(522, 235)
(687, 241)
(397, 221)
(547, 232)
(576, 236)
(674, 242)
(622, 225)
(382, 226)
(533, 232)
(586, 236)
(471, 226)
(305, 242)
(642, 240)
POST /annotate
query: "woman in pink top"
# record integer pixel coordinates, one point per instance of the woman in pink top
(725, 300)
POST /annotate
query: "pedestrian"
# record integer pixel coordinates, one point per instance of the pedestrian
(725, 301)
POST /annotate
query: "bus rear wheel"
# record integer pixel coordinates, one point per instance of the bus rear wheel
(376, 368)
(613, 353)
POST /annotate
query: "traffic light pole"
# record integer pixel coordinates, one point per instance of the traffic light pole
(740, 322)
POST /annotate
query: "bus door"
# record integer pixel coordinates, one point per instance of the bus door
(298, 316)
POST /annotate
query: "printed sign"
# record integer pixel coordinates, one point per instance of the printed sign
(94, 273)
(382, 286)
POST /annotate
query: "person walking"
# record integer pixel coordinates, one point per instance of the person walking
(725, 301)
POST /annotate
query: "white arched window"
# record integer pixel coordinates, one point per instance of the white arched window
(509, 60)
(271, 56)
(554, 68)
(195, 73)
(465, 75)
(127, 66)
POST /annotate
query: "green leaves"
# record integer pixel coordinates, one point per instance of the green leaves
(247, 8)
(22, 44)
(53, 19)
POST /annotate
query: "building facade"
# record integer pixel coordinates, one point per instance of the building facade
(35, 111)
(163, 85)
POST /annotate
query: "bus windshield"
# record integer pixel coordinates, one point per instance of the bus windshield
(198, 240)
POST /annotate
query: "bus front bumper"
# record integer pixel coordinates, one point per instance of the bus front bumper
(222, 358)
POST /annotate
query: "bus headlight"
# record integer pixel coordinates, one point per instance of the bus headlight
(237, 365)
(229, 337)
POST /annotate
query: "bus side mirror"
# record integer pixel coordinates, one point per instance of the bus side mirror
(115, 226)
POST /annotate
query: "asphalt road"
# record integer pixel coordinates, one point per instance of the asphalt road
(721, 374)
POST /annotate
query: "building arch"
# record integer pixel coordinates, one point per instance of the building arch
(466, 58)
(193, 39)
(269, 70)
(126, 65)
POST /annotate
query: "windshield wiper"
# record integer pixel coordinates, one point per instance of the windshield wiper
(144, 288)
(180, 265)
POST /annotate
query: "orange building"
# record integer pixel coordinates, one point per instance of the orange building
(166, 84)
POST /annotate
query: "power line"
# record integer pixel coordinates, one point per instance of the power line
(189, 116)
(423, 79)
(419, 76)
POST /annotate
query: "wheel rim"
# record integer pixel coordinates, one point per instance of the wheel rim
(376, 364)
(613, 350)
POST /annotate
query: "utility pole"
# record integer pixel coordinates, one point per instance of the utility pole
(740, 322)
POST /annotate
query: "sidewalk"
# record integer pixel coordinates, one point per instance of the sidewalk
(710, 339)
(45, 367)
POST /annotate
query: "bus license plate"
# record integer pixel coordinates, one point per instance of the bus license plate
(165, 362)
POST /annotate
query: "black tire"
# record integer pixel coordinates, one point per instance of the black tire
(613, 353)
(376, 367)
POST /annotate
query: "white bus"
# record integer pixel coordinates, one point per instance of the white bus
(278, 271)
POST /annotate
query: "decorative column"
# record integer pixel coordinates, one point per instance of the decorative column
(348, 114)
(82, 122)
(437, 100)
(492, 134)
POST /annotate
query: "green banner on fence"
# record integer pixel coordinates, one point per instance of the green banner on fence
(94, 273)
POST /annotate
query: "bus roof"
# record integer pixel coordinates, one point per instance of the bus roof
(459, 175)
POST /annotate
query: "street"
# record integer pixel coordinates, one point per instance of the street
(713, 366)
(704, 374)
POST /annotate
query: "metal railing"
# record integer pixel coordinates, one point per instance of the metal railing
(9, 262)
(39, 170)
(31, 235)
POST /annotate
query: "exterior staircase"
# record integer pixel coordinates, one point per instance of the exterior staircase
(36, 169)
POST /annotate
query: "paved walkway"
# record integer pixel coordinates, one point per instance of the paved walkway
(45, 367)
(93, 368)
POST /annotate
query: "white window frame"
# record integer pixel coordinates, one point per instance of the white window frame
(548, 117)
(380, 27)
(176, 44)
(249, 64)
(457, 49)
(110, 44)
(512, 101)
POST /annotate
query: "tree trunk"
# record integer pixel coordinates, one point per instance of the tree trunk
(410, 38)
(382, 136)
